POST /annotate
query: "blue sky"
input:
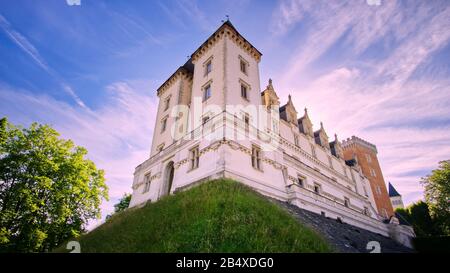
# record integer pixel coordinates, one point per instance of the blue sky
(381, 72)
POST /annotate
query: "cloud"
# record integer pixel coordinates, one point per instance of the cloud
(376, 98)
(117, 135)
(23, 43)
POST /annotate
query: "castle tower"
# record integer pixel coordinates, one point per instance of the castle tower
(365, 154)
(224, 70)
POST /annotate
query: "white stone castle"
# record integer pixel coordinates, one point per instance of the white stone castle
(213, 121)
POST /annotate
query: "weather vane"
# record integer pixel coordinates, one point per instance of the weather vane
(228, 18)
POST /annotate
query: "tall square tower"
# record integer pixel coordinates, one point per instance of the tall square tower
(365, 154)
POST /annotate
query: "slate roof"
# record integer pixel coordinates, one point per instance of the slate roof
(189, 66)
(392, 191)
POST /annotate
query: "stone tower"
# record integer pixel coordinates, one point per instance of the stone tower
(365, 154)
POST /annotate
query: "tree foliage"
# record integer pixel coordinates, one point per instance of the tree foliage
(418, 215)
(437, 195)
(123, 204)
(48, 189)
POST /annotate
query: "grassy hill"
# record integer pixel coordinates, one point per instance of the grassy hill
(217, 216)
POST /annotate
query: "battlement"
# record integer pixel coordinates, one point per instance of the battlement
(358, 141)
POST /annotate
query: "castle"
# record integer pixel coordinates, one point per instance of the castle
(213, 121)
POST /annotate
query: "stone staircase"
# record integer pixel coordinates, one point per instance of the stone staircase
(344, 237)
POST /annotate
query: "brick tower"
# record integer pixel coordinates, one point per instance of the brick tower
(365, 154)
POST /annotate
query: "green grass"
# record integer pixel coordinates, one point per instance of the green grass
(217, 216)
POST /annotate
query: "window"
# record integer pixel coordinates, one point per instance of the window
(373, 173)
(365, 191)
(313, 150)
(247, 122)
(317, 188)
(163, 124)
(206, 92)
(296, 140)
(330, 162)
(146, 183)
(243, 65)
(301, 180)
(346, 202)
(256, 157)
(208, 67)
(378, 189)
(166, 103)
(275, 125)
(194, 157)
(244, 91)
(369, 159)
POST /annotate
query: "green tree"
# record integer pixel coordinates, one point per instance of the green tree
(123, 204)
(48, 189)
(437, 195)
(421, 219)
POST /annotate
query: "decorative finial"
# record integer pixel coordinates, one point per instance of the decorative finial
(289, 97)
(270, 81)
(306, 111)
(335, 137)
(321, 125)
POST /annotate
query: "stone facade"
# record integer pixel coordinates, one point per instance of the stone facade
(213, 121)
